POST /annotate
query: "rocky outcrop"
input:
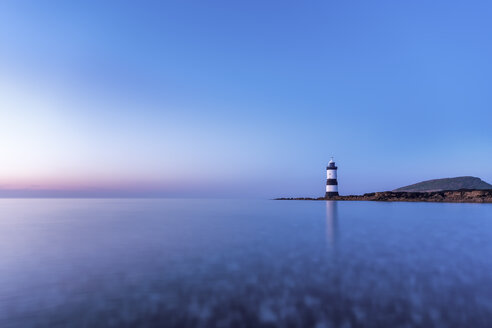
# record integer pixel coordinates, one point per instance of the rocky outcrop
(458, 183)
(450, 196)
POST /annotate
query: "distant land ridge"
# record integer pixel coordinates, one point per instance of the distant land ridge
(448, 196)
(458, 183)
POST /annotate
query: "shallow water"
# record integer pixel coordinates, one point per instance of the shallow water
(220, 263)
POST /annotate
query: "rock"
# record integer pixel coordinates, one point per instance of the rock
(453, 196)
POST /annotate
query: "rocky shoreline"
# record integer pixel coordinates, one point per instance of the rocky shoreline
(446, 196)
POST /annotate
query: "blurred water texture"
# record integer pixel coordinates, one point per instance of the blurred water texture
(244, 263)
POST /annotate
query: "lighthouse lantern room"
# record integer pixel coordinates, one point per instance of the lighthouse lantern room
(331, 179)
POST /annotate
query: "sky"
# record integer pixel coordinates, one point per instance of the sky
(241, 98)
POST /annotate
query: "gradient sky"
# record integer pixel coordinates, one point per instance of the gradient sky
(241, 98)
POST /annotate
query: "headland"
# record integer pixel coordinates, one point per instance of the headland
(443, 196)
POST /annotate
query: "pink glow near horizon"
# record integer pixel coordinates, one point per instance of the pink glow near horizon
(85, 184)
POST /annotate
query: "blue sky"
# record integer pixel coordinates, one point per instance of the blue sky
(241, 99)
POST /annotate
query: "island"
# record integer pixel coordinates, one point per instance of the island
(452, 190)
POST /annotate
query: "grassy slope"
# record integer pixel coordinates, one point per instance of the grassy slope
(448, 184)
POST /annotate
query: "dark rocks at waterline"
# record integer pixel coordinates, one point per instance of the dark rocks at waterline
(450, 196)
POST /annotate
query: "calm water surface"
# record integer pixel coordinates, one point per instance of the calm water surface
(221, 263)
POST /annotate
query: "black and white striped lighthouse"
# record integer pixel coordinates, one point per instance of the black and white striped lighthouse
(331, 179)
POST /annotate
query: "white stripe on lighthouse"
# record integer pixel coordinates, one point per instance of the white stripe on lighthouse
(331, 174)
(331, 188)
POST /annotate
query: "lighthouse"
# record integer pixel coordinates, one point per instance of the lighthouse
(331, 179)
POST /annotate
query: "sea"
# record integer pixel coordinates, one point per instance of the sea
(244, 263)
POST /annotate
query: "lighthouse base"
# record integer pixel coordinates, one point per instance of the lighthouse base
(331, 194)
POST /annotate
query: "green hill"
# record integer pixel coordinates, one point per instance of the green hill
(447, 184)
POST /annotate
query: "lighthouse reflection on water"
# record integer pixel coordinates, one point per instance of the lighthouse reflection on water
(331, 222)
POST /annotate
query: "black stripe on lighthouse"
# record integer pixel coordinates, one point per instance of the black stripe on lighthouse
(331, 182)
